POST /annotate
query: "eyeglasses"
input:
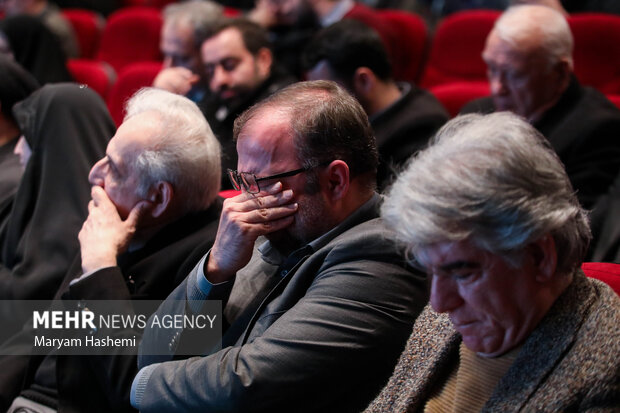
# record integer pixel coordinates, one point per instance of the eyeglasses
(249, 181)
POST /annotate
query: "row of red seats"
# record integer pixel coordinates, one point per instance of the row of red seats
(450, 65)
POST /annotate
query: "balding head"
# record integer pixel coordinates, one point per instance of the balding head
(529, 59)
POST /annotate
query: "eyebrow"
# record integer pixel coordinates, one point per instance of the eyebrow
(458, 265)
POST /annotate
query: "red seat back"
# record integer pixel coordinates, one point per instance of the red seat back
(131, 35)
(409, 57)
(607, 272)
(453, 96)
(99, 76)
(597, 50)
(457, 47)
(130, 80)
(88, 27)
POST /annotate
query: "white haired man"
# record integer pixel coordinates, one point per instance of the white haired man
(153, 214)
(529, 63)
(513, 324)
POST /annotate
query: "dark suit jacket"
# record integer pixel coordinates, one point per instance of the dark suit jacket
(324, 338)
(584, 130)
(404, 128)
(568, 363)
(605, 223)
(102, 383)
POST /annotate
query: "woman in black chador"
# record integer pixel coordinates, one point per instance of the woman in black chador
(66, 128)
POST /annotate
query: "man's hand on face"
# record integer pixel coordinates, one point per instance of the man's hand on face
(244, 218)
(178, 80)
(104, 235)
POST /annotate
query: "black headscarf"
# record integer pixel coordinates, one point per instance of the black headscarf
(36, 48)
(67, 127)
(15, 84)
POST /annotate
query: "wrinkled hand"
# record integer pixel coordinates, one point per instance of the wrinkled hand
(244, 218)
(177, 80)
(104, 235)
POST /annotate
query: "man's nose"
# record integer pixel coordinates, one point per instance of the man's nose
(444, 294)
(95, 176)
(497, 84)
(219, 79)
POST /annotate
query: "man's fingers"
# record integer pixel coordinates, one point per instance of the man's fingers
(264, 201)
(262, 215)
(139, 210)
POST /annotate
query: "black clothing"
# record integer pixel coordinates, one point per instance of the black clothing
(67, 127)
(36, 48)
(404, 128)
(584, 130)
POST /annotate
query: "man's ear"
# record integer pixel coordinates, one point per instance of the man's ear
(563, 71)
(160, 196)
(264, 60)
(336, 179)
(544, 256)
(364, 81)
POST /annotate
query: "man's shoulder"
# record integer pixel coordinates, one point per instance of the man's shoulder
(481, 105)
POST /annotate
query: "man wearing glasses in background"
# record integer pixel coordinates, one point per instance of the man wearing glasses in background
(318, 299)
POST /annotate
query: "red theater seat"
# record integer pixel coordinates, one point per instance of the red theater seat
(453, 96)
(88, 27)
(607, 272)
(99, 76)
(457, 46)
(597, 50)
(409, 57)
(131, 35)
(130, 79)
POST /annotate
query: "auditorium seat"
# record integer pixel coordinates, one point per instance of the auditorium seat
(412, 32)
(457, 46)
(615, 99)
(88, 27)
(607, 272)
(131, 78)
(159, 4)
(99, 76)
(453, 96)
(131, 35)
(597, 50)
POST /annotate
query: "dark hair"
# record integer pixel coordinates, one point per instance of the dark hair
(254, 36)
(327, 123)
(16, 84)
(348, 45)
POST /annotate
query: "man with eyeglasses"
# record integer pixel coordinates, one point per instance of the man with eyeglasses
(318, 298)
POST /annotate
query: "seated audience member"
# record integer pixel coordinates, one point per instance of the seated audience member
(50, 16)
(65, 130)
(34, 47)
(605, 219)
(529, 59)
(185, 27)
(403, 116)
(153, 214)
(293, 22)
(15, 85)
(318, 298)
(513, 323)
(240, 70)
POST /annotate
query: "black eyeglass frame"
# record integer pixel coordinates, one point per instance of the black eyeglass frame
(235, 177)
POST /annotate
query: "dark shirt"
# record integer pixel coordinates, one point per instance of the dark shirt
(584, 130)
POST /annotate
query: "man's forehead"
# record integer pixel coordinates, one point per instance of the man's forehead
(227, 41)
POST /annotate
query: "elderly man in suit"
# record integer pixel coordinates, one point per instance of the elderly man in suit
(530, 70)
(513, 323)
